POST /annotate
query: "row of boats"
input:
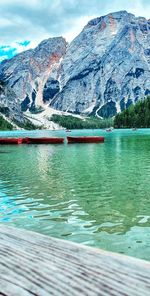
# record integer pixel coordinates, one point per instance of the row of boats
(46, 140)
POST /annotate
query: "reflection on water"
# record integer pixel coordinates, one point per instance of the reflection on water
(96, 194)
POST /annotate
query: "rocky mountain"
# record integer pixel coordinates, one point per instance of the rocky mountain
(9, 107)
(103, 70)
(106, 67)
(33, 74)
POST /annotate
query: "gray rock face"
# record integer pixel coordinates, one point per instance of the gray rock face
(9, 106)
(104, 69)
(51, 88)
(28, 72)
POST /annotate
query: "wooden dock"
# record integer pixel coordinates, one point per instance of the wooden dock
(34, 264)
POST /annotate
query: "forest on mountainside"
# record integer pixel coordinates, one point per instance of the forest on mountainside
(71, 122)
(137, 115)
(4, 124)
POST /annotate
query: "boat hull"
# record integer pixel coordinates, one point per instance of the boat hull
(85, 140)
(110, 129)
(10, 141)
(45, 140)
(25, 141)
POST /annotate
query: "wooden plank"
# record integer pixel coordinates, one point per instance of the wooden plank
(34, 264)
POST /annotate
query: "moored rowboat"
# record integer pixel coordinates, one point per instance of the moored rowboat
(45, 140)
(10, 141)
(85, 139)
(110, 129)
(25, 140)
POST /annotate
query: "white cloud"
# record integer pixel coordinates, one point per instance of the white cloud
(78, 26)
(5, 22)
(36, 20)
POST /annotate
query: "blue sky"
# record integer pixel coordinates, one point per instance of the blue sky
(8, 51)
(23, 24)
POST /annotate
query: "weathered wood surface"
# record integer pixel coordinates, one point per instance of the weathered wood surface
(33, 264)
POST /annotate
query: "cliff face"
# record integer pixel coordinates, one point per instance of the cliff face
(107, 67)
(27, 73)
(104, 69)
(9, 106)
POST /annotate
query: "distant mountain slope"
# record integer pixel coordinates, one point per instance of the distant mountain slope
(33, 74)
(136, 116)
(9, 107)
(104, 69)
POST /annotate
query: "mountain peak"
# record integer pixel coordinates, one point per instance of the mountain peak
(101, 72)
(52, 40)
(106, 67)
(114, 15)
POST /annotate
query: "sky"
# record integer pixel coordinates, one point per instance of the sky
(24, 23)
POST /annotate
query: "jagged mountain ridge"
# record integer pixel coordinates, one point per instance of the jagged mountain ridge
(28, 72)
(106, 67)
(103, 70)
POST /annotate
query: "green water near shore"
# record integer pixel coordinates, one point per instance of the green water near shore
(96, 194)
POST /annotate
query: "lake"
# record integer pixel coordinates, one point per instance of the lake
(95, 194)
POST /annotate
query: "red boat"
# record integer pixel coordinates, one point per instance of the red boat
(85, 139)
(10, 141)
(45, 140)
(25, 140)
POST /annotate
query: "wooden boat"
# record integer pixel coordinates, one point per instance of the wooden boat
(45, 140)
(134, 129)
(85, 139)
(110, 129)
(25, 141)
(10, 141)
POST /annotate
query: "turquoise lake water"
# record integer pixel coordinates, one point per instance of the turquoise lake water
(96, 194)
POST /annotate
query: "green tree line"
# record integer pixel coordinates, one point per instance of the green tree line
(137, 115)
(27, 125)
(71, 122)
(5, 125)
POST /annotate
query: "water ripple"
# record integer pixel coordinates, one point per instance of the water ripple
(93, 194)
